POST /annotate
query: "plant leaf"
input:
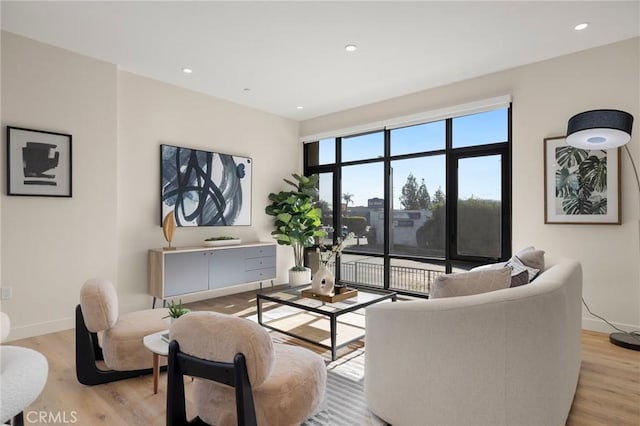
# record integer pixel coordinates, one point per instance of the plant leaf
(568, 156)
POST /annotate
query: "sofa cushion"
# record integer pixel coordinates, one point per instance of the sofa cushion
(123, 346)
(99, 304)
(518, 279)
(472, 282)
(531, 257)
(518, 267)
(292, 391)
(224, 337)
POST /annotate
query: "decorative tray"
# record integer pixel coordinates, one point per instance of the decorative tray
(347, 293)
(218, 243)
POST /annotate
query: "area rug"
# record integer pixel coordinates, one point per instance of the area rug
(344, 403)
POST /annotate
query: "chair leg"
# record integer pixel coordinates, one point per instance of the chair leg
(176, 410)
(18, 419)
(245, 408)
(88, 351)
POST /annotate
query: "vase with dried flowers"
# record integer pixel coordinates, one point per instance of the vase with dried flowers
(323, 282)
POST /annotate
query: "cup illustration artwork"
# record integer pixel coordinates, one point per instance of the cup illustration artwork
(38, 158)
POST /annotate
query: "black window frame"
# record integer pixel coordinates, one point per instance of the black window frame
(452, 156)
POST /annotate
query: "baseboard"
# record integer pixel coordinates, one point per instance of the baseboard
(595, 324)
(40, 328)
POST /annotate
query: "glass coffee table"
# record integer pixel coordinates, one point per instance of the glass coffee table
(292, 297)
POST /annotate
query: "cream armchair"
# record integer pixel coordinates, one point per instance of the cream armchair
(122, 348)
(242, 378)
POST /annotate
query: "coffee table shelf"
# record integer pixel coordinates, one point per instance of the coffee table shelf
(293, 297)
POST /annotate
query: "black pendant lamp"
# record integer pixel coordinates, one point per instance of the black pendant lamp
(599, 129)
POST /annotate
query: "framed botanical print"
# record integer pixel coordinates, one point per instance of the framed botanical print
(38, 163)
(580, 186)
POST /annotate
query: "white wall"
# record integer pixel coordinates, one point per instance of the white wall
(151, 113)
(545, 95)
(50, 246)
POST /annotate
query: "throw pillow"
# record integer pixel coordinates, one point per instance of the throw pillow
(518, 279)
(468, 283)
(532, 258)
(518, 266)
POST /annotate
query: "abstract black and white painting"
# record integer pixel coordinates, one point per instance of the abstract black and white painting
(38, 163)
(205, 188)
(581, 186)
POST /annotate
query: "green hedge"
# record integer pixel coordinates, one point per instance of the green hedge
(478, 231)
(355, 224)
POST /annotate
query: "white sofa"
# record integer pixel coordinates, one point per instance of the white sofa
(507, 357)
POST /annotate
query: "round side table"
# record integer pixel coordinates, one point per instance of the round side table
(158, 347)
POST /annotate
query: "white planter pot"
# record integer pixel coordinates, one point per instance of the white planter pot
(300, 277)
(323, 281)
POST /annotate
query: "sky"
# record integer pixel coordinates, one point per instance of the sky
(478, 177)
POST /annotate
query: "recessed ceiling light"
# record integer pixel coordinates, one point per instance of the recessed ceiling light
(246, 89)
(582, 26)
(187, 70)
(300, 107)
(351, 48)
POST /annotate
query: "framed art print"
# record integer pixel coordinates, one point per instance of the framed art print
(38, 163)
(580, 186)
(204, 188)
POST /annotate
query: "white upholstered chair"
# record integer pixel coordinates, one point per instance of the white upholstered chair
(23, 374)
(122, 348)
(242, 378)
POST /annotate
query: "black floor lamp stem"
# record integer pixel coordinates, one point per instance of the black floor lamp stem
(630, 340)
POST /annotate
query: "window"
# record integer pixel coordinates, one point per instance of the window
(480, 129)
(360, 184)
(419, 138)
(362, 147)
(417, 227)
(479, 207)
(322, 152)
(421, 200)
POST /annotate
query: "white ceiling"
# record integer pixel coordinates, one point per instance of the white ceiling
(292, 53)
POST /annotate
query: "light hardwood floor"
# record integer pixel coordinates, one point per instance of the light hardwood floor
(608, 390)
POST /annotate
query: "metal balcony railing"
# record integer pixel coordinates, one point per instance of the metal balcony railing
(406, 278)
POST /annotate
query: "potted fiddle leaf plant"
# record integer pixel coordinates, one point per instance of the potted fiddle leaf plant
(297, 221)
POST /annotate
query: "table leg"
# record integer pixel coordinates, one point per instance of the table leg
(259, 308)
(156, 372)
(333, 321)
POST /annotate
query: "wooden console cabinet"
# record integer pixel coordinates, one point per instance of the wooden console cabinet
(189, 270)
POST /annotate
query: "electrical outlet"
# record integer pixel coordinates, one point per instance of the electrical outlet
(5, 293)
